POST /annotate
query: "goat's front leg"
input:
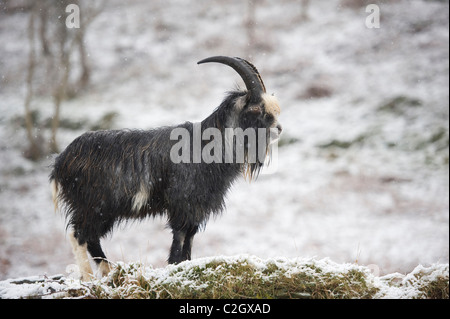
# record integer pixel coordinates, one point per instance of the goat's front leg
(177, 246)
(187, 246)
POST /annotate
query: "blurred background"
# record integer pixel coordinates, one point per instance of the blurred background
(363, 163)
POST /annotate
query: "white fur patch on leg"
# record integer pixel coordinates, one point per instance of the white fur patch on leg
(140, 199)
(81, 257)
(104, 268)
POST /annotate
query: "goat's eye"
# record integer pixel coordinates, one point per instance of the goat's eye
(256, 110)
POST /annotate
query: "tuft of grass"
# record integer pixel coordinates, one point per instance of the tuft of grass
(436, 289)
(243, 278)
(430, 286)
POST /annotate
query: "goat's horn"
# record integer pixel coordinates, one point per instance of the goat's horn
(246, 70)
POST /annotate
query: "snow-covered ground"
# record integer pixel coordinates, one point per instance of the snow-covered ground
(185, 275)
(413, 285)
(363, 167)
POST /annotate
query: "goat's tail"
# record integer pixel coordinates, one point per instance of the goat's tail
(55, 192)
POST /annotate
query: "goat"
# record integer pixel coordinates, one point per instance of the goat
(105, 177)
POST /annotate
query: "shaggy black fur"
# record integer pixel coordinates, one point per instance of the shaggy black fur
(99, 174)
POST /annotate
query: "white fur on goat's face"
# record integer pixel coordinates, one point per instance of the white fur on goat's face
(270, 103)
(272, 107)
(262, 114)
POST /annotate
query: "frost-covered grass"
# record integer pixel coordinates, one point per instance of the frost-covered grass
(240, 277)
(237, 278)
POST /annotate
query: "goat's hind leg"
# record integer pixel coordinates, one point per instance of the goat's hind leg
(95, 250)
(182, 244)
(81, 257)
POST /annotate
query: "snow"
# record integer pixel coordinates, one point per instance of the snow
(34, 286)
(382, 201)
(392, 286)
(408, 286)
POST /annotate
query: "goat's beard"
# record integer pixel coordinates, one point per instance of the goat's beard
(251, 170)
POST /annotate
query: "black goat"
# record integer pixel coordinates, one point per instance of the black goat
(105, 177)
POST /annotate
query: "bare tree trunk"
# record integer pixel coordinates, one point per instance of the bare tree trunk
(88, 17)
(43, 14)
(83, 80)
(305, 6)
(63, 71)
(86, 72)
(58, 96)
(58, 44)
(34, 151)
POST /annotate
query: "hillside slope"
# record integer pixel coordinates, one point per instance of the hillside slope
(363, 163)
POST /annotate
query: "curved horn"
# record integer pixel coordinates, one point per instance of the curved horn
(246, 70)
